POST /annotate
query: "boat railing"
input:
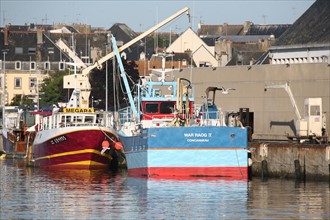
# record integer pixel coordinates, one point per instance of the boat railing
(126, 118)
(209, 117)
(214, 121)
(53, 125)
(77, 124)
(125, 115)
(75, 120)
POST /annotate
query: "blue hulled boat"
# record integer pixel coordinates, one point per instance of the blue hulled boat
(166, 135)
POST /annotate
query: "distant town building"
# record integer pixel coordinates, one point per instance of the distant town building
(307, 40)
(223, 45)
(29, 52)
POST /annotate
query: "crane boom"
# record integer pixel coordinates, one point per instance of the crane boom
(287, 88)
(133, 41)
(83, 79)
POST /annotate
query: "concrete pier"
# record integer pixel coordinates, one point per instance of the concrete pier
(290, 160)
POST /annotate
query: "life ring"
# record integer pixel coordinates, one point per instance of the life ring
(118, 145)
(105, 144)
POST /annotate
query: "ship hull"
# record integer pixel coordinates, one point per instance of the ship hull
(72, 148)
(13, 144)
(177, 152)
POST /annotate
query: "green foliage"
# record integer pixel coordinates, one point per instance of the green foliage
(21, 100)
(51, 91)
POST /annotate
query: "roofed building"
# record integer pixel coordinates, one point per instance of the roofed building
(307, 40)
(189, 42)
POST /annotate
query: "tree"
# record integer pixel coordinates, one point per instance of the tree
(21, 100)
(51, 91)
(98, 84)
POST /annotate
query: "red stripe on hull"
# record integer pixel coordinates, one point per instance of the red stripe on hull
(228, 173)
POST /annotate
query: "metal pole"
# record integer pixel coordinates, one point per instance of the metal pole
(38, 101)
(4, 88)
(106, 75)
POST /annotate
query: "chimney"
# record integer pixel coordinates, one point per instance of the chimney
(225, 28)
(39, 36)
(5, 35)
(247, 25)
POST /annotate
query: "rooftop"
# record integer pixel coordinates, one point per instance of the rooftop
(313, 27)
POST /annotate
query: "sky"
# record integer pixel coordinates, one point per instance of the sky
(142, 15)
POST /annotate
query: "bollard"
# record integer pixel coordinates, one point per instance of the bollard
(304, 171)
(297, 169)
(264, 169)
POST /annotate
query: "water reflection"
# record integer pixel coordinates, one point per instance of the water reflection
(80, 194)
(188, 199)
(278, 198)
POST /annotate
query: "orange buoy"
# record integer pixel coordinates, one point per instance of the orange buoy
(118, 145)
(105, 144)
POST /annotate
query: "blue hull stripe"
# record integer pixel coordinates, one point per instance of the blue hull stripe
(187, 158)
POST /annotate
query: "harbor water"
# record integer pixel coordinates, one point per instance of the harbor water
(32, 193)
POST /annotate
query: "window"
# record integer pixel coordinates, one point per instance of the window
(33, 65)
(32, 51)
(77, 118)
(32, 82)
(18, 65)
(89, 119)
(50, 50)
(61, 66)
(152, 108)
(204, 64)
(18, 50)
(166, 107)
(68, 118)
(47, 65)
(315, 110)
(324, 59)
(18, 83)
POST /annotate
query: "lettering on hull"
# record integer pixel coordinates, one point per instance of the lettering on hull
(198, 137)
(58, 140)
